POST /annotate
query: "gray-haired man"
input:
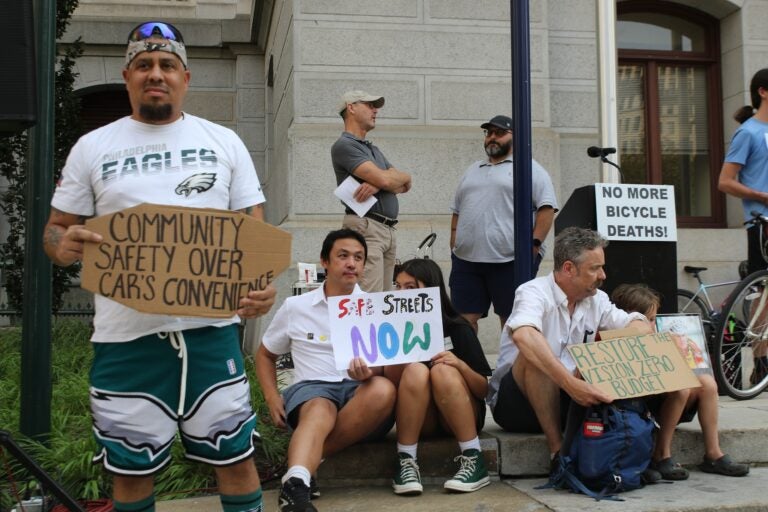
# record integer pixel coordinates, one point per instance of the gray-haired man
(353, 155)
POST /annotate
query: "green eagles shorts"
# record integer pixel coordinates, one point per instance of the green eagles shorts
(144, 391)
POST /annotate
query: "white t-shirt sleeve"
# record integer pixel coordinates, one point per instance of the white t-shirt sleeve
(245, 189)
(74, 192)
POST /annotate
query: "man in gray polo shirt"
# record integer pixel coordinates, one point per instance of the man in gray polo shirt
(354, 156)
(482, 227)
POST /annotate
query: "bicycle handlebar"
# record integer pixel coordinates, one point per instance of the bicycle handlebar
(428, 241)
(757, 217)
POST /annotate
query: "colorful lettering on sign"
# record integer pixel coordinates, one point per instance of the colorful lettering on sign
(357, 306)
(385, 341)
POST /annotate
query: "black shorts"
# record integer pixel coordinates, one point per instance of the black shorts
(514, 413)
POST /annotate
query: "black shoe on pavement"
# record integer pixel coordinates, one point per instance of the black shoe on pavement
(294, 497)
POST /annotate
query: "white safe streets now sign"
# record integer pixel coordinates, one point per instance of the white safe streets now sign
(636, 212)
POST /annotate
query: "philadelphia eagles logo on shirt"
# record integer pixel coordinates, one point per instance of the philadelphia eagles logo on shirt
(197, 182)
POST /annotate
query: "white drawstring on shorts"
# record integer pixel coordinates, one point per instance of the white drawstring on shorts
(177, 341)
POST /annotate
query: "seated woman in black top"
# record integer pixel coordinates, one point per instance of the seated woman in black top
(445, 395)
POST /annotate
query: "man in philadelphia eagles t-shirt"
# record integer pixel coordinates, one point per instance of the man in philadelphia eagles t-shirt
(154, 375)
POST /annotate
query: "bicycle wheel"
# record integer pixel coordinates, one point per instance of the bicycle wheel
(688, 302)
(739, 333)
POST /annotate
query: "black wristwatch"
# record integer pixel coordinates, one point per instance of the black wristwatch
(536, 242)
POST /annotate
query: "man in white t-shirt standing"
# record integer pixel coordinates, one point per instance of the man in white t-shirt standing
(327, 409)
(154, 375)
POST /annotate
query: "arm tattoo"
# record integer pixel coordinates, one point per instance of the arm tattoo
(52, 236)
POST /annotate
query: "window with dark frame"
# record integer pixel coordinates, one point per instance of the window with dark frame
(669, 105)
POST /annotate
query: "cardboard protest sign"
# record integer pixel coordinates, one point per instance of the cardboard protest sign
(636, 212)
(634, 366)
(182, 261)
(386, 328)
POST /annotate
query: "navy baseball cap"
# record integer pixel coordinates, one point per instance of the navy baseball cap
(503, 122)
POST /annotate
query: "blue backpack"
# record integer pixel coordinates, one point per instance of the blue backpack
(609, 452)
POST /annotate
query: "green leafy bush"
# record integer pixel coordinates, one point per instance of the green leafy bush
(67, 454)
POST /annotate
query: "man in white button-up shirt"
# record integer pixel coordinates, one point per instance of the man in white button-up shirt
(535, 377)
(327, 409)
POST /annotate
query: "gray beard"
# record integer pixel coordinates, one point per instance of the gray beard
(494, 150)
(155, 112)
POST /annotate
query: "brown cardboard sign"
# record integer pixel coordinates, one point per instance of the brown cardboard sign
(634, 366)
(182, 261)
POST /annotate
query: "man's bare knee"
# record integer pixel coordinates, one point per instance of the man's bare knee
(378, 392)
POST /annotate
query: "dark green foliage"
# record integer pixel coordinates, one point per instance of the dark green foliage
(13, 167)
(68, 453)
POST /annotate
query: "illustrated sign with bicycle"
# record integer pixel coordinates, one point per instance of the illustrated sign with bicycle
(636, 212)
(386, 328)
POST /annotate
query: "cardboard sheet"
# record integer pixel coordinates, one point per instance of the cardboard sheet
(182, 261)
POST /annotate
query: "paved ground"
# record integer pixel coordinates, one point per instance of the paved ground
(701, 493)
(744, 433)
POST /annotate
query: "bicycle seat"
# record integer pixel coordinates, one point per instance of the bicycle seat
(694, 270)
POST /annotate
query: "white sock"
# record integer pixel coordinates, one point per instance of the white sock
(472, 444)
(410, 449)
(297, 472)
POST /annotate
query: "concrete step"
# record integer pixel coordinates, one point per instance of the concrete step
(743, 434)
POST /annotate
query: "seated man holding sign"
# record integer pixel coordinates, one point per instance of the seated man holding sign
(682, 405)
(327, 409)
(535, 376)
(154, 375)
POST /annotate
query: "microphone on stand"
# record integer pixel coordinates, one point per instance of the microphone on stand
(595, 152)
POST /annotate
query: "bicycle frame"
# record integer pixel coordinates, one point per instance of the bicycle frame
(702, 293)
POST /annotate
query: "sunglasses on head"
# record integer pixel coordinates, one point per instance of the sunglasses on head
(157, 29)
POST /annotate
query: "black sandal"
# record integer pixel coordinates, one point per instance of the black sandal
(670, 470)
(724, 466)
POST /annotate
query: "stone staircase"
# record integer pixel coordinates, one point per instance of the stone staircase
(743, 434)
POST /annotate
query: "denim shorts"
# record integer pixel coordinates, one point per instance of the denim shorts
(337, 392)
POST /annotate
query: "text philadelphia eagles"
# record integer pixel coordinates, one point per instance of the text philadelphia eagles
(132, 163)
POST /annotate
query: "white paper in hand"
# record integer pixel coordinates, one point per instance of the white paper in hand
(346, 192)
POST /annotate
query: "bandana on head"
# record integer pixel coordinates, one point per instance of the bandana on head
(155, 45)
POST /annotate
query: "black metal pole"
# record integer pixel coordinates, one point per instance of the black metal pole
(521, 114)
(36, 316)
(49, 484)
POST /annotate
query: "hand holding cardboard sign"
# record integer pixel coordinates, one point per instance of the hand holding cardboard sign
(586, 394)
(69, 244)
(257, 302)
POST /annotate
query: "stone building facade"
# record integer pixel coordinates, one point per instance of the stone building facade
(273, 70)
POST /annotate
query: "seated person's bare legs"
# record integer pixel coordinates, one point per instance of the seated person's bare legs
(669, 415)
(708, 414)
(414, 404)
(454, 401)
(544, 396)
(371, 405)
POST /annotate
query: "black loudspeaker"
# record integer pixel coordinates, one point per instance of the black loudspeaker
(18, 95)
(652, 263)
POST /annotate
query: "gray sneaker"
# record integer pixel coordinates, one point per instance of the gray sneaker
(407, 481)
(472, 474)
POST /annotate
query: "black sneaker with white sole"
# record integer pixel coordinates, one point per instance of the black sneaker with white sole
(294, 497)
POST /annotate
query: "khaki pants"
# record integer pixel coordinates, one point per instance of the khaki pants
(382, 250)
